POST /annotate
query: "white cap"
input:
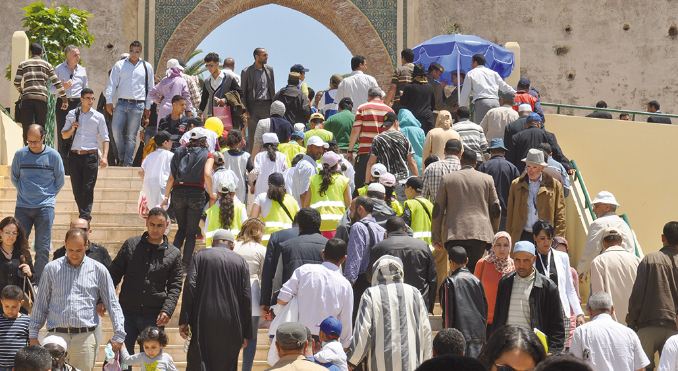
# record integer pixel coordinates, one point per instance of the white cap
(173, 63)
(196, 134)
(53, 339)
(524, 108)
(228, 185)
(316, 141)
(376, 187)
(270, 138)
(300, 126)
(605, 197)
(378, 169)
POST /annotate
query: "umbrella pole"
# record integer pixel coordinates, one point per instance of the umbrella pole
(458, 81)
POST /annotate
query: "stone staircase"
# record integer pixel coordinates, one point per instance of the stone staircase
(114, 219)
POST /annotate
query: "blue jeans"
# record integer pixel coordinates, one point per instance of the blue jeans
(134, 324)
(125, 124)
(41, 218)
(251, 349)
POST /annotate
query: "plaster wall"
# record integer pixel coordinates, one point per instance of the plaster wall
(574, 52)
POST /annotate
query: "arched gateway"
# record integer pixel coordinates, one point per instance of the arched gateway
(343, 17)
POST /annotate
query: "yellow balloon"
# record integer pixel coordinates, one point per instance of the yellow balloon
(215, 124)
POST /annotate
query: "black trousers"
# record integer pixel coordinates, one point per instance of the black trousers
(360, 169)
(64, 145)
(84, 171)
(33, 111)
(474, 249)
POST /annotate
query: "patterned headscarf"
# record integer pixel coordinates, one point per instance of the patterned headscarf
(503, 266)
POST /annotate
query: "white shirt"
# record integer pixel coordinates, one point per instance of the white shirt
(264, 167)
(211, 137)
(595, 237)
(264, 203)
(254, 254)
(495, 121)
(669, 358)
(156, 173)
(298, 178)
(608, 345)
(238, 164)
(482, 82)
(356, 87)
(220, 176)
(232, 74)
(349, 173)
(321, 291)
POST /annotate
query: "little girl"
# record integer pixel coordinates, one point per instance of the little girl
(151, 340)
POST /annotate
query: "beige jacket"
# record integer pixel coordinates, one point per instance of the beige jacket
(614, 272)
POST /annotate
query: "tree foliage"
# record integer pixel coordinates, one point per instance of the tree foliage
(195, 67)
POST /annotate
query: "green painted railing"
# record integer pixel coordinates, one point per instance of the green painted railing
(559, 106)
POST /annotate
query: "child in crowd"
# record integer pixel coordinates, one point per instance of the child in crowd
(58, 349)
(151, 341)
(463, 302)
(376, 171)
(236, 159)
(388, 180)
(332, 354)
(13, 325)
(294, 147)
(417, 210)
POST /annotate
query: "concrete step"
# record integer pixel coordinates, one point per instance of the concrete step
(175, 338)
(100, 218)
(102, 182)
(257, 366)
(111, 205)
(66, 195)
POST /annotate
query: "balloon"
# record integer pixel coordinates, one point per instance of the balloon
(215, 124)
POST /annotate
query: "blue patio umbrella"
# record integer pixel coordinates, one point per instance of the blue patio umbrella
(454, 53)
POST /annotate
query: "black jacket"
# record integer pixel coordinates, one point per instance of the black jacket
(462, 299)
(600, 115)
(418, 263)
(10, 274)
(305, 249)
(545, 309)
(510, 130)
(94, 251)
(503, 173)
(297, 108)
(420, 100)
(271, 262)
(153, 276)
(659, 119)
(247, 80)
(523, 141)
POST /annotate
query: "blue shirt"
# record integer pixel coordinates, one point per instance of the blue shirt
(91, 130)
(38, 177)
(78, 77)
(359, 244)
(128, 81)
(68, 295)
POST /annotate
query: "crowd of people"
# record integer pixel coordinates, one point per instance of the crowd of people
(338, 220)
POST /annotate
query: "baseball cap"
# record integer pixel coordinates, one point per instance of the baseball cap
(224, 235)
(56, 340)
(331, 326)
(610, 231)
(300, 126)
(453, 145)
(291, 335)
(389, 119)
(317, 115)
(387, 179)
(227, 186)
(376, 187)
(331, 158)
(297, 134)
(415, 182)
(276, 179)
(524, 81)
(298, 68)
(524, 246)
(197, 134)
(316, 141)
(378, 169)
(524, 108)
(533, 117)
(270, 138)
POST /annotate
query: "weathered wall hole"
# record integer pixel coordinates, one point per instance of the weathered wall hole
(561, 49)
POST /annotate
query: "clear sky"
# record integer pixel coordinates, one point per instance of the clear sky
(289, 36)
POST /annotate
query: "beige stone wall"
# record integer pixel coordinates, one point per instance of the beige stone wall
(114, 26)
(599, 59)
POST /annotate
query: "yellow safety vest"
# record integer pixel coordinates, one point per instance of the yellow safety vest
(290, 149)
(420, 218)
(397, 207)
(213, 221)
(277, 219)
(331, 204)
(362, 190)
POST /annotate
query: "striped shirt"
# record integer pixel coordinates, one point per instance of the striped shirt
(401, 77)
(519, 306)
(13, 337)
(392, 149)
(68, 295)
(472, 137)
(369, 117)
(31, 79)
(392, 327)
(434, 173)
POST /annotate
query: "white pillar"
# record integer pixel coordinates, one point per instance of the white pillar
(515, 74)
(20, 45)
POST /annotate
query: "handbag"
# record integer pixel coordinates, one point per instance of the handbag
(224, 114)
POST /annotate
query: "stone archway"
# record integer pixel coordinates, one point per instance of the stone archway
(341, 17)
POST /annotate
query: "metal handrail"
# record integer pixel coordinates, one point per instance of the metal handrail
(587, 198)
(633, 114)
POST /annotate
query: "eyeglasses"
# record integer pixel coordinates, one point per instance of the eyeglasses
(35, 141)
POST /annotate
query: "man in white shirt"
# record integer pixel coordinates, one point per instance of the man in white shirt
(356, 85)
(322, 291)
(669, 358)
(483, 84)
(606, 344)
(604, 206)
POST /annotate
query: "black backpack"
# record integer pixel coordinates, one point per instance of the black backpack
(190, 165)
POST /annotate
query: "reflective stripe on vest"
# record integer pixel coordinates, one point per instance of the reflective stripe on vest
(277, 218)
(330, 205)
(420, 222)
(213, 221)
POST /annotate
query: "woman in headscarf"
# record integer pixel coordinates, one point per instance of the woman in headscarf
(411, 129)
(491, 268)
(172, 84)
(436, 138)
